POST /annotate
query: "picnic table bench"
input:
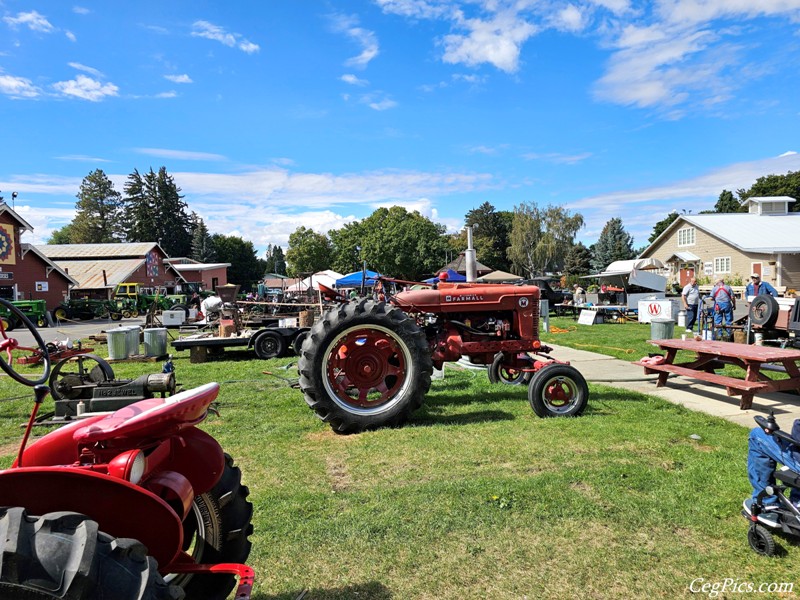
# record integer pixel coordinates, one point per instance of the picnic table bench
(713, 355)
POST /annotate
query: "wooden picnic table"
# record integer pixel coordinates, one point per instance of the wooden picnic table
(713, 355)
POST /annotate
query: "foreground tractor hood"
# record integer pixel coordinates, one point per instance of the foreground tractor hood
(471, 297)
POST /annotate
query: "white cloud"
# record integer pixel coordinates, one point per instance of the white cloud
(380, 104)
(86, 88)
(207, 30)
(18, 87)
(180, 154)
(497, 41)
(183, 78)
(703, 187)
(417, 9)
(85, 69)
(365, 38)
(570, 18)
(70, 36)
(80, 10)
(169, 94)
(353, 80)
(82, 158)
(558, 158)
(32, 20)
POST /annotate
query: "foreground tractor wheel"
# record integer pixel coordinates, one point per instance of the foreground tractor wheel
(217, 531)
(364, 365)
(64, 555)
(500, 374)
(558, 391)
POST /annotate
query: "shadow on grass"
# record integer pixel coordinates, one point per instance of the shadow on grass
(372, 590)
(428, 419)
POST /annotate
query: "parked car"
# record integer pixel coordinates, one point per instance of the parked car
(547, 292)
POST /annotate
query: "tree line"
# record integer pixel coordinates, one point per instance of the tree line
(152, 209)
(529, 240)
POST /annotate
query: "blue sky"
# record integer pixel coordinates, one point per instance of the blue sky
(275, 114)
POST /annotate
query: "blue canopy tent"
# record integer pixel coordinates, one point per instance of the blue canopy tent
(354, 279)
(452, 276)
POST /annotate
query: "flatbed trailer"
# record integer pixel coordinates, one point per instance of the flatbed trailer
(268, 342)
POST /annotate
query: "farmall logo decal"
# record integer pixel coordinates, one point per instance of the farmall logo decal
(464, 298)
(653, 309)
(523, 302)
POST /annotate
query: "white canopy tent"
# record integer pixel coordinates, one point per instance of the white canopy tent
(498, 277)
(327, 278)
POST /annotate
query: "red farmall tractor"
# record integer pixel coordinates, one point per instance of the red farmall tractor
(368, 364)
(138, 504)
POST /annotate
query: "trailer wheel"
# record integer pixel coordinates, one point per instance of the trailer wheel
(764, 310)
(182, 307)
(217, 531)
(558, 391)
(64, 555)
(365, 365)
(297, 343)
(269, 345)
(501, 374)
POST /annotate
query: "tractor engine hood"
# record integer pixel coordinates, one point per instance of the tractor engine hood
(469, 297)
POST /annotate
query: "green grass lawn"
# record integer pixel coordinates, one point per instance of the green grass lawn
(476, 497)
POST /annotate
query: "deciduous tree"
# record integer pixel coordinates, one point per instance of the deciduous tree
(308, 252)
(541, 238)
(245, 268)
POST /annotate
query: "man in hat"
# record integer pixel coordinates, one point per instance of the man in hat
(691, 302)
(724, 305)
(757, 287)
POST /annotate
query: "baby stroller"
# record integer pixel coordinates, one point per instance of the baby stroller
(783, 518)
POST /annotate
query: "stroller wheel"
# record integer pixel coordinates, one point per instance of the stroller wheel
(761, 540)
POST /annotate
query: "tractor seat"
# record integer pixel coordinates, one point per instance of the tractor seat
(151, 417)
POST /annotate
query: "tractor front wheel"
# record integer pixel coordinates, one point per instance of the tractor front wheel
(217, 531)
(499, 373)
(364, 365)
(60, 314)
(558, 390)
(64, 555)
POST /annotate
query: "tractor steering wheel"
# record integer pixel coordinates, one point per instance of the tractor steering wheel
(8, 344)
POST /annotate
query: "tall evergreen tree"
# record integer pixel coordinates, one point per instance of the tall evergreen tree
(578, 260)
(662, 225)
(613, 244)
(97, 218)
(202, 249)
(157, 212)
(275, 261)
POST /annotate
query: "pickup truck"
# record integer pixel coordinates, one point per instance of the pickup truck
(546, 291)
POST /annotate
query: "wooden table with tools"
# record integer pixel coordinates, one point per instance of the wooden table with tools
(713, 355)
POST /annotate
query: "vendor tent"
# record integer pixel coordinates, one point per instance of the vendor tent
(327, 278)
(452, 276)
(498, 277)
(354, 279)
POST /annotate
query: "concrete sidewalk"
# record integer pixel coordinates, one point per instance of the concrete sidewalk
(691, 393)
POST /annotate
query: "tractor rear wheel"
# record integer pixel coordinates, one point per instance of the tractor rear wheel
(64, 555)
(558, 391)
(498, 373)
(60, 314)
(217, 531)
(364, 365)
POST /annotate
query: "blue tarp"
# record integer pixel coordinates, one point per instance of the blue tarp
(452, 276)
(354, 279)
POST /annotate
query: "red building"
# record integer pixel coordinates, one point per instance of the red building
(210, 275)
(26, 273)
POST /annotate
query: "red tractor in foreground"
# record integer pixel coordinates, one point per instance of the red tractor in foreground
(368, 364)
(138, 504)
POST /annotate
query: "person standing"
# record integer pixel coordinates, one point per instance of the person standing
(756, 287)
(724, 305)
(578, 295)
(691, 302)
